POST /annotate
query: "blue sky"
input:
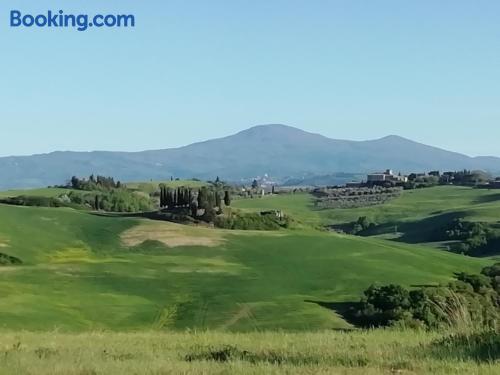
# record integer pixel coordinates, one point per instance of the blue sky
(193, 70)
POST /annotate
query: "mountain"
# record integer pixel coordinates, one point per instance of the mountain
(278, 150)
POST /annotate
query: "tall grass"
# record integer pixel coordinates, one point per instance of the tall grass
(357, 352)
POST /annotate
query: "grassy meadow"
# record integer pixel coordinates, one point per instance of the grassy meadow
(82, 271)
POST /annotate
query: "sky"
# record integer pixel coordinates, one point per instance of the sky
(192, 70)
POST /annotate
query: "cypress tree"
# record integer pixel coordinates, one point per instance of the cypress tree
(227, 198)
(218, 202)
(168, 198)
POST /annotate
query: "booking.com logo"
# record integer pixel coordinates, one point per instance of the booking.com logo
(81, 22)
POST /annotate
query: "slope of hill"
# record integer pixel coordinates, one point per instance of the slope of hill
(414, 217)
(278, 150)
(80, 271)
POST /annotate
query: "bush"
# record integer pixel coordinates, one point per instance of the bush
(8, 260)
(471, 301)
(362, 224)
(250, 221)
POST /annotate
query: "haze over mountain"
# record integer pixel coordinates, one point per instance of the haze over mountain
(278, 150)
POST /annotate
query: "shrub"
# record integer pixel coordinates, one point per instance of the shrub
(470, 302)
(8, 260)
(250, 221)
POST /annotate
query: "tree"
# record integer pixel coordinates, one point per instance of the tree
(227, 198)
(218, 202)
(75, 182)
(255, 184)
(194, 209)
(169, 198)
(163, 196)
(202, 198)
(96, 203)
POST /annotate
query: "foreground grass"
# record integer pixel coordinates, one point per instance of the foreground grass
(358, 352)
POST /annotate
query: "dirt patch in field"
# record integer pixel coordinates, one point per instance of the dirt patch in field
(172, 235)
(245, 312)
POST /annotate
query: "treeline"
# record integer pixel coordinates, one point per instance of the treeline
(115, 200)
(471, 300)
(435, 178)
(93, 183)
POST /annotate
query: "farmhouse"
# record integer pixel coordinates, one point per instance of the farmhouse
(387, 176)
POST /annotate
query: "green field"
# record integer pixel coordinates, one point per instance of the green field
(84, 272)
(408, 218)
(44, 192)
(157, 297)
(362, 352)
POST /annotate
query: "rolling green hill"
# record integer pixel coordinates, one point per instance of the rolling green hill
(410, 218)
(81, 271)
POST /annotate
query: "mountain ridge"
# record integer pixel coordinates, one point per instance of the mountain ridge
(276, 149)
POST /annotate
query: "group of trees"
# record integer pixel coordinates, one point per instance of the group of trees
(434, 178)
(93, 183)
(470, 238)
(470, 299)
(115, 200)
(465, 177)
(104, 193)
(354, 197)
(180, 197)
(209, 199)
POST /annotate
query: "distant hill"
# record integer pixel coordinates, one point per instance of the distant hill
(277, 150)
